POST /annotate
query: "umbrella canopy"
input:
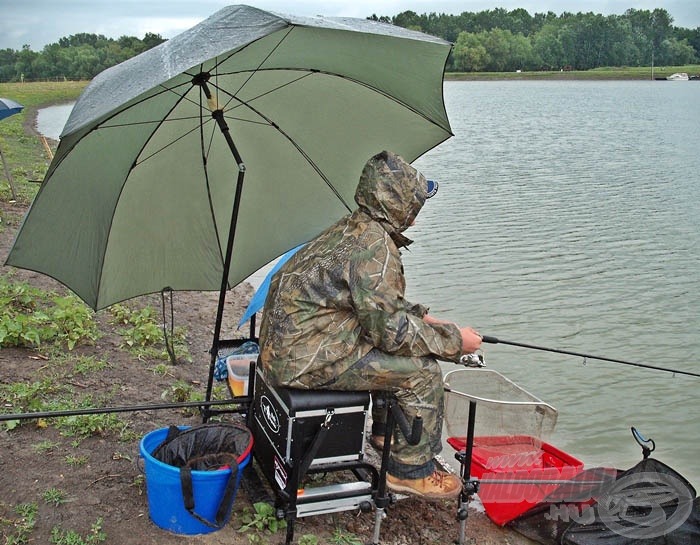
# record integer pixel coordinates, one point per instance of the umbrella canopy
(146, 188)
(9, 107)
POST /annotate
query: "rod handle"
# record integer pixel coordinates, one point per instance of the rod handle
(489, 339)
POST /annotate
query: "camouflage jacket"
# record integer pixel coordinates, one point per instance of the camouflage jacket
(343, 293)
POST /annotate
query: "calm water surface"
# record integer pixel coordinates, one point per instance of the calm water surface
(568, 216)
(50, 120)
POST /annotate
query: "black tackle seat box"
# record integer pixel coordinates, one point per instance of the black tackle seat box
(286, 421)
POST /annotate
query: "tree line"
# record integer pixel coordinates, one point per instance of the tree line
(490, 40)
(499, 40)
(76, 57)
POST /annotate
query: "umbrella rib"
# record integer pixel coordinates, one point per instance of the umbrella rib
(104, 254)
(55, 164)
(291, 141)
(252, 72)
(182, 97)
(306, 73)
(205, 154)
(199, 127)
(151, 122)
(312, 71)
(171, 143)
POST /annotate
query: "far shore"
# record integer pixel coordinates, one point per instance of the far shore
(640, 73)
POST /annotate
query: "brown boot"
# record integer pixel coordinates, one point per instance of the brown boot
(438, 486)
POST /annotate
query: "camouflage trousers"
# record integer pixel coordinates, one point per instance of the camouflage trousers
(418, 387)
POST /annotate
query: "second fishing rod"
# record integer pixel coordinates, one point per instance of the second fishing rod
(494, 340)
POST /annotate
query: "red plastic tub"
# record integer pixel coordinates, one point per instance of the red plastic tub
(516, 472)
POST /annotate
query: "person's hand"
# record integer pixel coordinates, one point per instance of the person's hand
(428, 319)
(471, 340)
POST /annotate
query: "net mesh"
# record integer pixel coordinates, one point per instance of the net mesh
(503, 407)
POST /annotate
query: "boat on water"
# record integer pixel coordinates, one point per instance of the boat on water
(678, 76)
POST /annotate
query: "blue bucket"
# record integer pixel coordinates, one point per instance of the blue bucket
(164, 489)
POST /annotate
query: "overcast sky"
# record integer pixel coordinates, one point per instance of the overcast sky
(40, 22)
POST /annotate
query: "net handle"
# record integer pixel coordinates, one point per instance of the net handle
(500, 401)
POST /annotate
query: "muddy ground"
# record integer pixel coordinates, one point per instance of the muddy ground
(77, 481)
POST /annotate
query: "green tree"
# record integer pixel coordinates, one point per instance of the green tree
(673, 51)
(470, 54)
(24, 62)
(151, 40)
(508, 51)
(82, 38)
(8, 57)
(407, 19)
(649, 30)
(547, 47)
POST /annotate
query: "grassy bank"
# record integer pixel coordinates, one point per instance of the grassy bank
(24, 153)
(622, 73)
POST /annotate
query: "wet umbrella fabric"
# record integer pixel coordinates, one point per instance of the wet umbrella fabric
(143, 191)
(9, 107)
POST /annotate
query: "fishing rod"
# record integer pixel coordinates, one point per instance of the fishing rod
(122, 409)
(494, 340)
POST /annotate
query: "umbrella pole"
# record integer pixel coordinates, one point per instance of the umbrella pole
(9, 177)
(218, 115)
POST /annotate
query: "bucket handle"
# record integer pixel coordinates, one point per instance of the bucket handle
(226, 501)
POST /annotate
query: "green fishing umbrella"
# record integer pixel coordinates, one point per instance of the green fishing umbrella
(192, 165)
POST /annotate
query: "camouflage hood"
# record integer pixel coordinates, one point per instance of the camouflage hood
(391, 192)
(343, 294)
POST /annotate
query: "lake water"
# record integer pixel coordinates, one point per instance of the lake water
(568, 216)
(50, 120)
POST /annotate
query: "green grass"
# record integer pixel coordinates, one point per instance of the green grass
(24, 154)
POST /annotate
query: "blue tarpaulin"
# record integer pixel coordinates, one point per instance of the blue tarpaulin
(258, 300)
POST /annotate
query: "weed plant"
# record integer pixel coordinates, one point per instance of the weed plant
(18, 526)
(71, 537)
(45, 446)
(262, 519)
(30, 317)
(143, 334)
(340, 537)
(54, 496)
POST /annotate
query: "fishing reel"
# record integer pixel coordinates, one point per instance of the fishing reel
(475, 359)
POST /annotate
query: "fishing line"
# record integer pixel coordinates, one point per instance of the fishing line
(494, 340)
